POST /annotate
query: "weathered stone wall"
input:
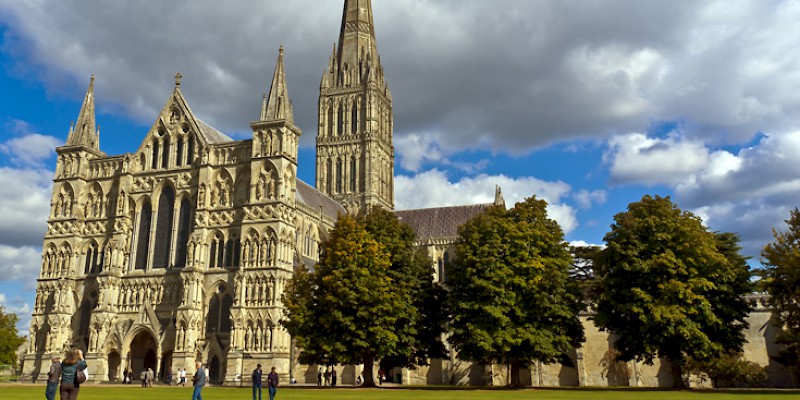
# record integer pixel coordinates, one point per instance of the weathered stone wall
(594, 365)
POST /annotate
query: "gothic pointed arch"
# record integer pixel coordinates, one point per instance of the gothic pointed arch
(216, 250)
(64, 201)
(221, 190)
(185, 227)
(143, 225)
(218, 320)
(94, 257)
(165, 215)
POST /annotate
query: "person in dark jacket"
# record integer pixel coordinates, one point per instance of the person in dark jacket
(272, 382)
(257, 381)
(53, 376)
(73, 362)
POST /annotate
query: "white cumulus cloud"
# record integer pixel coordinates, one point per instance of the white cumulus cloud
(433, 189)
(748, 192)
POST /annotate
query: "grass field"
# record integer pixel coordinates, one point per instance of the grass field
(102, 392)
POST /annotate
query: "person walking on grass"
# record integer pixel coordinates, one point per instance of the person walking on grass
(198, 381)
(53, 376)
(272, 382)
(72, 364)
(257, 381)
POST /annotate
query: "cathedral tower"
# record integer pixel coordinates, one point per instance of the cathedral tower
(355, 154)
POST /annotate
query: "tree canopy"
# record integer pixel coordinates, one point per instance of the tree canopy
(352, 307)
(510, 293)
(10, 340)
(781, 279)
(670, 288)
(421, 329)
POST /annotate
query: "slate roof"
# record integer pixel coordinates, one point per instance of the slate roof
(441, 222)
(212, 135)
(311, 197)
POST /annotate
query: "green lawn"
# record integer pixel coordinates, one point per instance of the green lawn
(103, 392)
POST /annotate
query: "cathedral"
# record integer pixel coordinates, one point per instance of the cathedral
(179, 252)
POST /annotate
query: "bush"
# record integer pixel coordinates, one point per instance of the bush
(729, 370)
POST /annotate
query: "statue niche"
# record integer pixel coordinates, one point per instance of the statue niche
(265, 188)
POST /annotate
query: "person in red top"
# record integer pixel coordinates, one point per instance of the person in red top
(272, 381)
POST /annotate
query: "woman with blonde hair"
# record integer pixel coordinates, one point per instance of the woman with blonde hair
(72, 363)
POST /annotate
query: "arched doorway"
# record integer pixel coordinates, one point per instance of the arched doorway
(214, 370)
(143, 352)
(114, 360)
(166, 366)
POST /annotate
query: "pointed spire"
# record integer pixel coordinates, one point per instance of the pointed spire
(263, 108)
(278, 106)
(357, 34)
(84, 133)
(498, 197)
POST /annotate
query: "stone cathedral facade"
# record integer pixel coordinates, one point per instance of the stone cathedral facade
(179, 251)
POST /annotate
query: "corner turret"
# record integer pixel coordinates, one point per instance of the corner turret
(84, 132)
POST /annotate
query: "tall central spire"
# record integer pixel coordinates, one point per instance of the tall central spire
(355, 155)
(357, 36)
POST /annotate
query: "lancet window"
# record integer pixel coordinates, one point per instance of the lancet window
(154, 157)
(164, 222)
(143, 236)
(93, 264)
(219, 315)
(339, 182)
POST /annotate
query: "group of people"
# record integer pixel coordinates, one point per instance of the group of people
(147, 376)
(272, 382)
(72, 371)
(69, 372)
(326, 377)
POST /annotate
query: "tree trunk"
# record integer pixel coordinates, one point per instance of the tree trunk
(515, 367)
(369, 380)
(677, 375)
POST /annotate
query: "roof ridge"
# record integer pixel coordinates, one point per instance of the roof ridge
(444, 207)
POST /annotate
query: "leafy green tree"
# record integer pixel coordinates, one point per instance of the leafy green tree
(583, 269)
(411, 269)
(511, 297)
(670, 288)
(347, 309)
(781, 279)
(10, 340)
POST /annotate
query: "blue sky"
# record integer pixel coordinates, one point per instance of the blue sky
(587, 105)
